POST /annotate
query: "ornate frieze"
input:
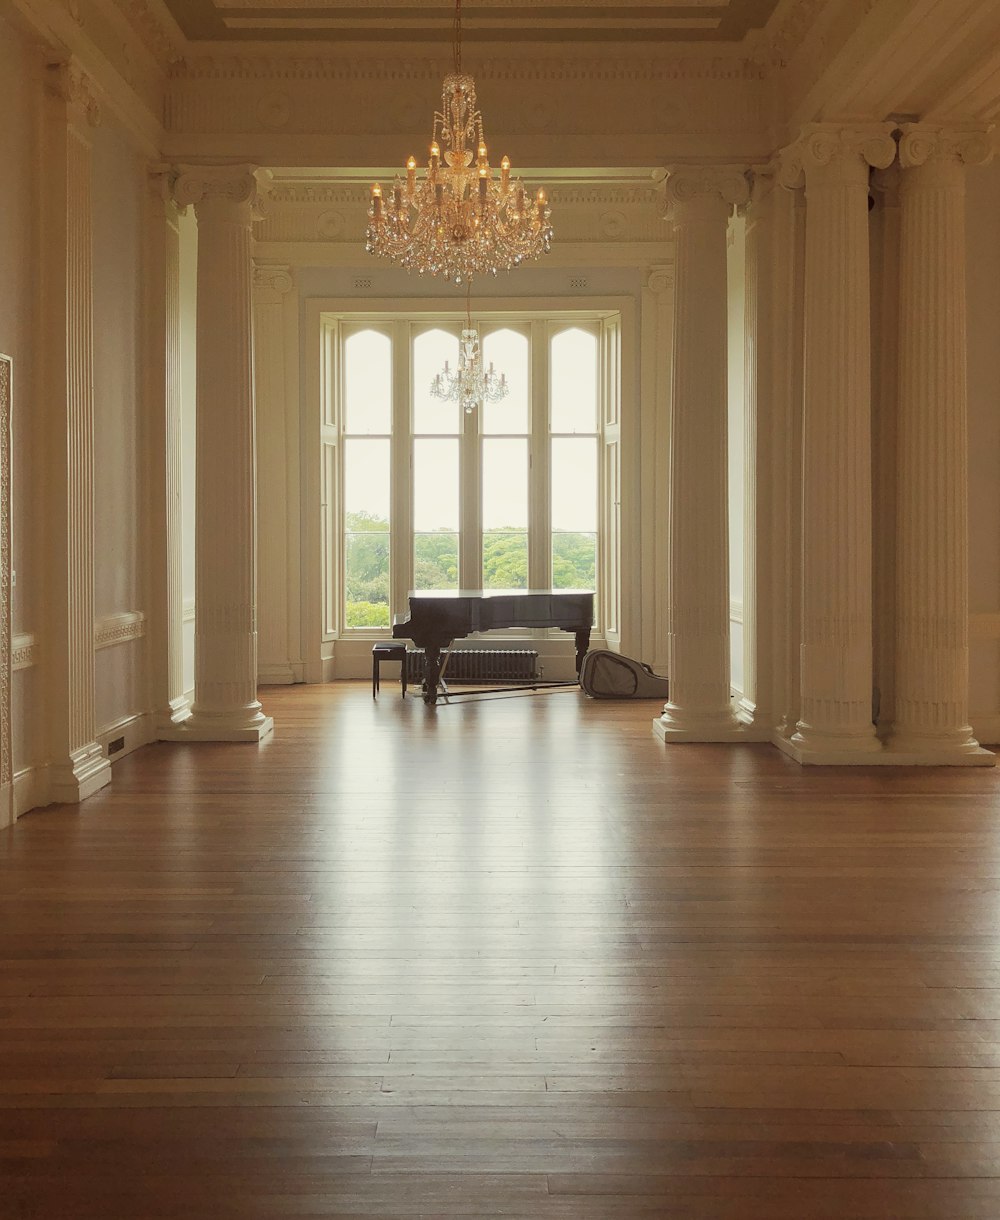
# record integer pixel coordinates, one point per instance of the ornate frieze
(119, 628)
(76, 87)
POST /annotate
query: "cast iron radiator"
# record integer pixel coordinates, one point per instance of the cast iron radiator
(479, 665)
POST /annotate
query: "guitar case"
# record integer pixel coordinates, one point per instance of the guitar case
(606, 675)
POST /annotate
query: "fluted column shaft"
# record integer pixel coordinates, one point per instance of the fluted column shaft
(836, 647)
(225, 695)
(932, 611)
(78, 766)
(700, 707)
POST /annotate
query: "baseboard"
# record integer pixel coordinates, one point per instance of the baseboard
(31, 789)
(986, 727)
(277, 673)
(137, 730)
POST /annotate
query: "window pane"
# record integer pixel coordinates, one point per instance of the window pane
(435, 561)
(505, 559)
(574, 561)
(508, 351)
(430, 351)
(573, 381)
(368, 382)
(366, 484)
(435, 485)
(366, 533)
(505, 484)
(366, 577)
(574, 484)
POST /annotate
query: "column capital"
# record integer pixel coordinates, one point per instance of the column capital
(273, 278)
(697, 185)
(842, 150)
(241, 188)
(69, 82)
(929, 143)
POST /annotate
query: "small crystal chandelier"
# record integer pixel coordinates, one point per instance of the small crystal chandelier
(464, 220)
(470, 384)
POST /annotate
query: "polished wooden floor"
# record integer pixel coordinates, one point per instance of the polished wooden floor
(512, 958)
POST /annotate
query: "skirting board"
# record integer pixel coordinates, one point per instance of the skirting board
(136, 729)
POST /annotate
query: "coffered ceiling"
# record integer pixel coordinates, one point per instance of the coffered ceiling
(484, 23)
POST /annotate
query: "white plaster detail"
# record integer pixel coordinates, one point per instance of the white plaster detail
(274, 110)
(24, 652)
(120, 628)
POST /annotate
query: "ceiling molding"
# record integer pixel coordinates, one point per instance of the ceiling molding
(342, 68)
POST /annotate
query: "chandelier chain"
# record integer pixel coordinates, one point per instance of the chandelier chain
(457, 37)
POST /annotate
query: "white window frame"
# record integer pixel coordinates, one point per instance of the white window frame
(614, 318)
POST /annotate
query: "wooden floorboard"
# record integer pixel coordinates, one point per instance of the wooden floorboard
(507, 957)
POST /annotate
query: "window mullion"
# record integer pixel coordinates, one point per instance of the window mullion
(539, 505)
(470, 570)
(401, 542)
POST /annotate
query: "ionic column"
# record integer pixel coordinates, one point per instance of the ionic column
(835, 723)
(226, 707)
(932, 604)
(700, 709)
(78, 766)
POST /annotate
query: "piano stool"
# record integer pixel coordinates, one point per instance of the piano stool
(388, 652)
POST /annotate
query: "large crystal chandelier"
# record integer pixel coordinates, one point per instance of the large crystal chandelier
(470, 384)
(460, 219)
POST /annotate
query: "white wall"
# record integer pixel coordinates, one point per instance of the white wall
(20, 75)
(983, 237)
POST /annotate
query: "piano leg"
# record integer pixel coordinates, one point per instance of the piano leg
(582, 644)
(432, 673)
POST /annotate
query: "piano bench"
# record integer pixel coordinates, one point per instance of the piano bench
(388, 652)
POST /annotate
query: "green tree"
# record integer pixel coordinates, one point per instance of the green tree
(574, 560)
(435, 560)
(505, 559)
(366, 570)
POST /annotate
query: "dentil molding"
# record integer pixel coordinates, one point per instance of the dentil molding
(737, 66)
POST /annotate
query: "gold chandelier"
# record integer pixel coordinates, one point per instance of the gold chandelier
(460, 219)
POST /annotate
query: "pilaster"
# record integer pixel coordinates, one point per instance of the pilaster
(835, 718)
(226, 199)
(77, 764)
(930, 713)
(164, 453)
(654, 398)
(701, 200)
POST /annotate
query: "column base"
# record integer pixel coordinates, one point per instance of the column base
(176, 713)
(677, 725)
(940, 750)
(241, 725)
(881, 757)
(85, 772)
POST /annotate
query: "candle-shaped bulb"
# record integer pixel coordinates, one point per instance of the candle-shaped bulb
(411, 174)
(435, 150)
(377, 198)
(540, 199)
(411, 165)
(504, 173)
(482, 153)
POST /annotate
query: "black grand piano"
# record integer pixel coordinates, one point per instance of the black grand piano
(437, 617)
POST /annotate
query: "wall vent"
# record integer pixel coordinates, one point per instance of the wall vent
(579, 281)
(363, 283)
(116, 745)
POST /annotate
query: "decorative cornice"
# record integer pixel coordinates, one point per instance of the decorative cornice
(119, 628)
(159, 41)
(920, 143)
(24, 652)
(69, 82)
(694, 67)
